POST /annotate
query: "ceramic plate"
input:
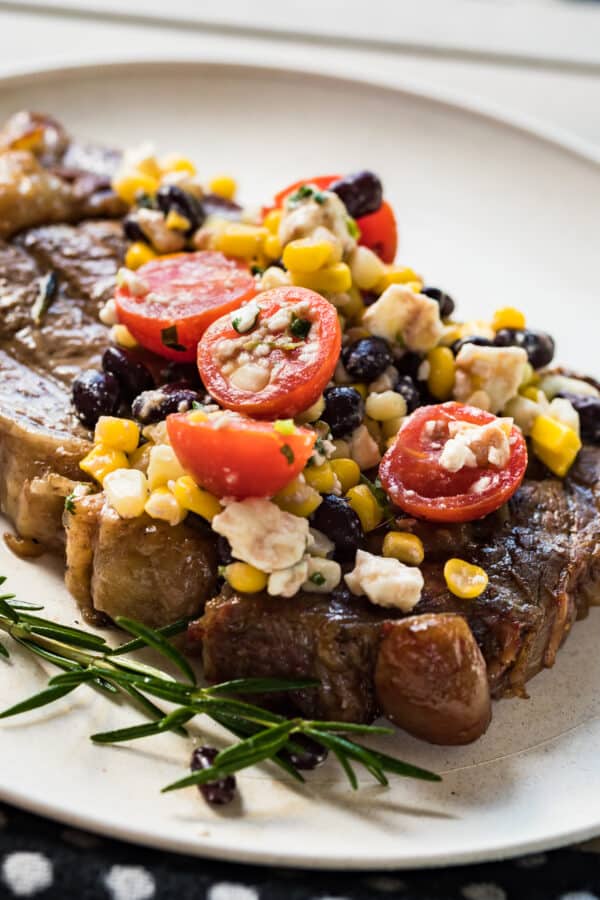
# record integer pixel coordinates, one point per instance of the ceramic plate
(497, 215)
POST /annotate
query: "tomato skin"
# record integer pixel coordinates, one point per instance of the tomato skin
(199, 288)
(297, 383)
(414, 480)
(241, 458)
(378, 230)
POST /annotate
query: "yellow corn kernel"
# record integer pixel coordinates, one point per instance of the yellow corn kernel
(347, 473)
(397, 275)
(118, 434)
(453, 331)
(126, 491)
(365, 506)
(272, 247)
(508, 317)
(354, 307)
(121, 335)
(274, 277)
(465, 580)
(101, 460)
(197, 415)
(391, 427)
(298, 497)
(162, 504)
(531, 392)
(196, 499)
(367, 268)
(128, 185)
(241, 240)
(321, 478)
(374, 428)
(313, 413)
(406, 547)
(245, 578)
(163, 466)
(176, 221)
(440, 380)
(555, 444)
(306, 255)
(361, 388)
(385, 405)
(223, 186)
(528, 376)
(272, 220)
(138, 254)
(140, 458)
(333, 279)
(389, 442)
(173, 162)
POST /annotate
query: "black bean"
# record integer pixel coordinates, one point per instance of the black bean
(361, 192)
(445, 301)
(409, 364)
(538, 345)
(367, 358)
(133, 376)
(306, 754)
(217, 793)
(336, 518)
(476, 339)
(186, 372)
(133, 230)
(344, 410)
(589, 415)
(154, 406)
(171, 198)
(409, 390)
(95, 394)
(225, 209)
(224, 551)
(369, 297)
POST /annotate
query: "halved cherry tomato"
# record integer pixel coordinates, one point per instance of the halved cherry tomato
(412, 476)
(186, 292)
(293, 346)
(235, 456)
(378, 230)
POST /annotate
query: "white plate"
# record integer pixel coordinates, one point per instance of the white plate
(496, 215)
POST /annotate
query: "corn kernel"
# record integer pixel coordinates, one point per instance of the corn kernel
(272, 220)
(361, 388)
(127, 492)
(245, 578)
(223, 186)
(118, 434)
(365, 506)
(341, 449)
(347, 473)
(121, 335)
(274, 277)
(508, 317)
(465, 580)
(386, 405)
(391, 427)
(367, 268)
(389, 442)
(321, 478)
(240, 240)
(355, 306)
(306, 255)
(333, 279)
(313, 413)
(406, 547)
(128, 185)
(162, 504)
(531, 392)
(163, 466)
(555, 444)
(272, 246)
(177, 221)
(528, 375)
(440, 380)
(173, 162)
(397, 275)
(196, 499)
(138, 254)
(298, 497)
(102, 460)
(140, 458)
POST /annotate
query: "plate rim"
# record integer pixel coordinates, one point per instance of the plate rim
(14, 74)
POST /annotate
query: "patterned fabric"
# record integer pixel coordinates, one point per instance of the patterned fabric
(41, 859)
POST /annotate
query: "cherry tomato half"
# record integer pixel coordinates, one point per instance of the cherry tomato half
(378, 230)
(186, 292)
(279, 366)
(234, 456)
(412, 476)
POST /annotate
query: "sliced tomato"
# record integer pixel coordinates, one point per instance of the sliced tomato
(378, 230)
(235, 456)
(412, 476)
(293, 347)
(186, 292)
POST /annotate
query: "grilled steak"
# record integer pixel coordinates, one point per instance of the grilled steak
(542, 555)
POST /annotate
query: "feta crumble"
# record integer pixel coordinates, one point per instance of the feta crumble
(386, 581)
(496, 370)
(262, 534)
(401, 316)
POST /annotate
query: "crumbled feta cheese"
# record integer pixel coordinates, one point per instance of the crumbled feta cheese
(262, 534)
(306, 217)
(287, 582)
(401, 316)
(496, 370)
(363, 448)
(244, 318)
(385, 581)
(563, 384)
(319, 544)
(323, 576)
(108, 313)
(163, 466)
(126, 491)
(476, 445)
(135, 285)
(153, 224)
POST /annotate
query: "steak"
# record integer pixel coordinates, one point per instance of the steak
(542, 556)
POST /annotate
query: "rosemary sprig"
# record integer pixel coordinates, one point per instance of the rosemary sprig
(263, 735)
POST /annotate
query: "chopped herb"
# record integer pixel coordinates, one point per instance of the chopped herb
(285, 426)
(300, 327)
(45, 298)
(256, 270)
(301, 193)
(317, 578)
(196, 404)
(244, 319)
(221, 571)
(319, 197)
(169, 338)
(287, 452)
(144, 200)
(70, 502)
(353, 229)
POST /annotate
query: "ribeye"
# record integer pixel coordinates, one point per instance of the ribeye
(542, 555)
